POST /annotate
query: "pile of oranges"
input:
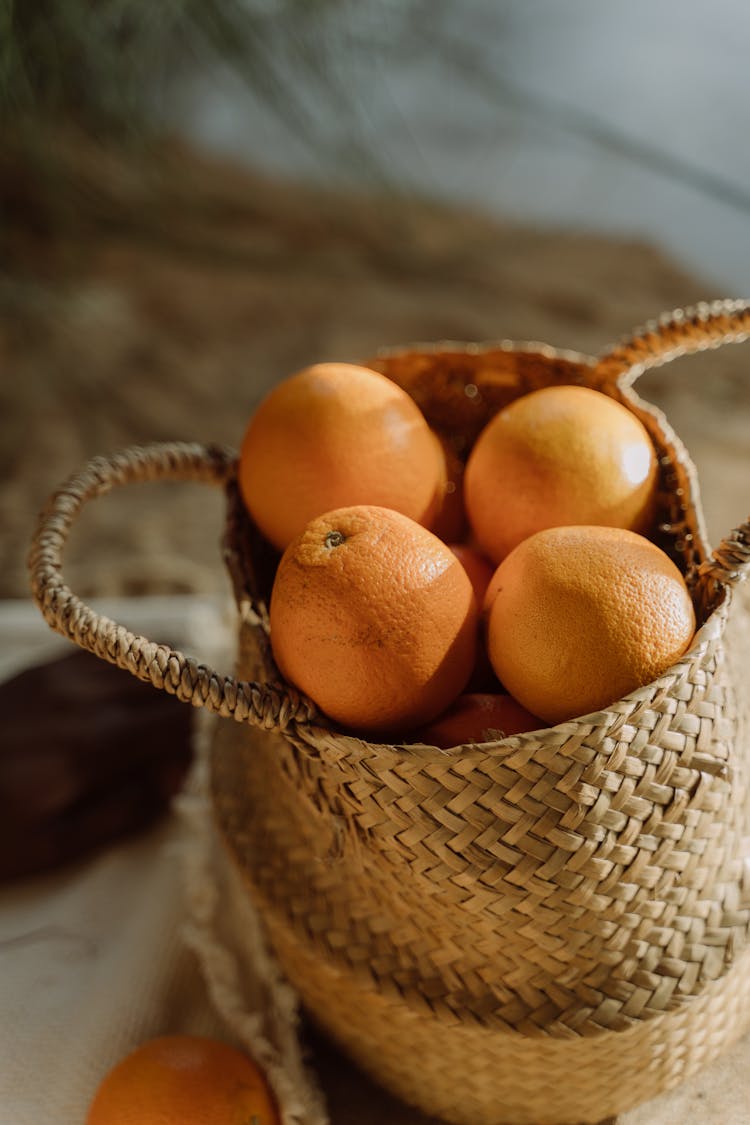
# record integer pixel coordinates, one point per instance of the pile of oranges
(554, 604)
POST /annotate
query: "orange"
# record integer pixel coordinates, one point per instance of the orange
(331, 436)
(560, 455)
(477, 567)
(374, 618)
(474, 716)
(584, 615)
(184, 1080)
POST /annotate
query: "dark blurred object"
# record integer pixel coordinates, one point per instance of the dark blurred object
(87, 755)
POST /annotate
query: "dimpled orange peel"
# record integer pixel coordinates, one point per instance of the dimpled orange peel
(335, 435)
(582, 616)
(374, 618)
(560, 455)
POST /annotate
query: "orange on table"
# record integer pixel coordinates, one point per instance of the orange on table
(479, 569)
(335, 435)
(374, 618)
(184, 1080)
(582, 616)
(473, 716)
(559, 456)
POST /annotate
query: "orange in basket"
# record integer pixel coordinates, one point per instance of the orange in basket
(559, 455)
(584, 615)
(331, 436)
(374, 618)
(478, 717)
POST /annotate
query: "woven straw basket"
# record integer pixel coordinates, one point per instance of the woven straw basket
(547, 928)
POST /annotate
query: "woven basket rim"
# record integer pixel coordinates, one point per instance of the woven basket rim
(322, 734)
(701, 639)
(503, 344)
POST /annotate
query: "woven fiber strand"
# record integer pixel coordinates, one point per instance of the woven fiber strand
(542, 904)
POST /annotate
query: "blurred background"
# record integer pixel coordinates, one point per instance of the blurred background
(198, 197)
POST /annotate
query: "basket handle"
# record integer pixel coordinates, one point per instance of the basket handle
(271, 706)
(675, 334)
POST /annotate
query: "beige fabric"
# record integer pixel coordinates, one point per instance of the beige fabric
(245, 984)
(91, 964)
(102, 956)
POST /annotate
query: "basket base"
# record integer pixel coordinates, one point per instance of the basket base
(469, 1075)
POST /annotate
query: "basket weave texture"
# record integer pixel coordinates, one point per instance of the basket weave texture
(566, 910)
